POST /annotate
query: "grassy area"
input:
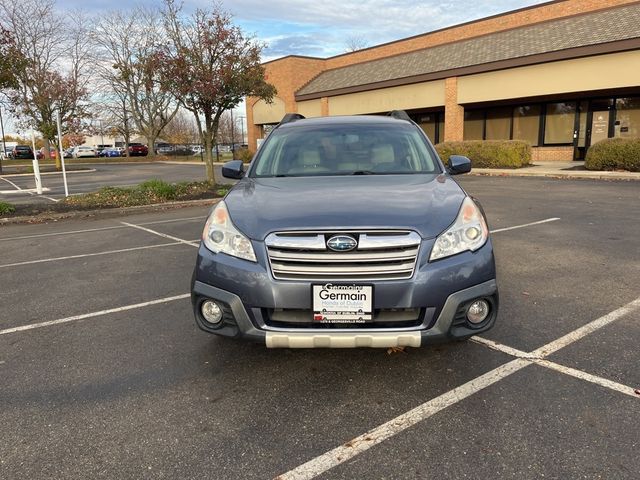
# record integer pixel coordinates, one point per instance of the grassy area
(6, 208)
(147, 193)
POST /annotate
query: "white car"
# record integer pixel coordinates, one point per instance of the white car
(80, 152)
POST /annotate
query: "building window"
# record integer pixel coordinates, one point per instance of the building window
(498, 124)
(559, 123)
(526, 123)
(627, 123)
(428, 125)
(473, 125)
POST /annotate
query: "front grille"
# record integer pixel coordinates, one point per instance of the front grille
(382, 318)
(380, 255)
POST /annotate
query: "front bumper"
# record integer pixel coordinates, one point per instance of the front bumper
(238, 324)
(441, 289)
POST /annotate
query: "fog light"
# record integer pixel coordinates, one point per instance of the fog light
(478, 311)
(211, 311)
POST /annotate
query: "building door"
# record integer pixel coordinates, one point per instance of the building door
(599, 126)
(599, 121)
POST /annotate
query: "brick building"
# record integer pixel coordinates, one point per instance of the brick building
(562, 75)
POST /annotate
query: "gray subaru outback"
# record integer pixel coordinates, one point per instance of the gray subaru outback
(346, 232)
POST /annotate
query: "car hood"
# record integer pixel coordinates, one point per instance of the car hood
(425, 203)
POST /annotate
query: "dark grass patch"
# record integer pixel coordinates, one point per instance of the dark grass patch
(6, 209)
(147, 193)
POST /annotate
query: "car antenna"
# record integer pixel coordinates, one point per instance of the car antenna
(399, 115)
(291, 117)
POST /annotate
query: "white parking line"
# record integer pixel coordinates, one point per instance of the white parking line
(546, 220)
(93, 314)
(107, 252)
(30, 191)
(350, 449)
(590, 327)
(115, 227)
(11, 183)
(163, 235)
(603, 382)
(400, 423)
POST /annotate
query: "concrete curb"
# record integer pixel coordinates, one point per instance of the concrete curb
(106, 212)
(89, 170)
(619, 176)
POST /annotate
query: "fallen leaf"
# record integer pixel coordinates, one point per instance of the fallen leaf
(392, 350)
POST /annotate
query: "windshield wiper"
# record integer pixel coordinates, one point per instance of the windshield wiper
(363, 172)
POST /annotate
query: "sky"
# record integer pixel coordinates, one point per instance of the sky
(323, 27)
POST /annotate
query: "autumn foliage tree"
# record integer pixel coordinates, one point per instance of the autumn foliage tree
(11, 60)
(209, 65)
(54, 55)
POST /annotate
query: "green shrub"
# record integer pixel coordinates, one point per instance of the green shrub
(6, 208)
(158, 189)
(489, 153)
(245, 155)
(614, 154)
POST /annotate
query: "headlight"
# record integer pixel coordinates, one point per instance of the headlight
(468, 232)
(221, 236)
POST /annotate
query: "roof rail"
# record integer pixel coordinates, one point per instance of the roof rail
(399, 115)
(291, 117)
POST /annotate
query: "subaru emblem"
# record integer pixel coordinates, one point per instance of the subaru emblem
(342, 243)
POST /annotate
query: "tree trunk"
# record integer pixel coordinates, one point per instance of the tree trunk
(151, 143)
(208, 157)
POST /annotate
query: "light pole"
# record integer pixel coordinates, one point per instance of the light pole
(242, 118)
(4, 144)
(233, 140)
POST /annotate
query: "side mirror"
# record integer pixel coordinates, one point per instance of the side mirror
(458, 164)
(233, 169)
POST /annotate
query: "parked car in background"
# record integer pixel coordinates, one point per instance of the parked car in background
(138, 150)
(110, 152)
(53, 153)
(83, 152)
(22, 151)
(164, 149)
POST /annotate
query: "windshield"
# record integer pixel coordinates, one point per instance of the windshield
(345, 149)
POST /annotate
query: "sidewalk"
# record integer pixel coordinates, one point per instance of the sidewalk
(556, 170)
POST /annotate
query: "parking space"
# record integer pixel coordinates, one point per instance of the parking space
(105, 374)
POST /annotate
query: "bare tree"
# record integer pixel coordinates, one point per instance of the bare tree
(181, 130)
(229, 130)
(116, 116)
(210, 65)
(355, 42)
(55, 76)
(128, 42)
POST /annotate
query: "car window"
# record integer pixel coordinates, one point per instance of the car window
(345, 149)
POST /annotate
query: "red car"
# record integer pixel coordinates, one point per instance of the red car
(138, 150)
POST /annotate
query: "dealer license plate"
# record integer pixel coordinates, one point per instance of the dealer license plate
(342, 303)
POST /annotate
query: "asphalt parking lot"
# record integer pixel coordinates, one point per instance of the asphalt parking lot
(21, 188)
(104, 374)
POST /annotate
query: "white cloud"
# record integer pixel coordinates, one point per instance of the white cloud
(322, 28)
